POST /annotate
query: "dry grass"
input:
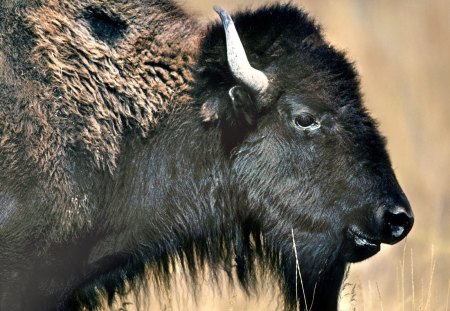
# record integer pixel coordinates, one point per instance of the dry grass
(355, 294)
(299, 274)
(409, 296)
(401, 48)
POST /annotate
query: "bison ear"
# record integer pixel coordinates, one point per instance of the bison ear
(242, 111)
(237, 118)
(235, 114)
(236, 110)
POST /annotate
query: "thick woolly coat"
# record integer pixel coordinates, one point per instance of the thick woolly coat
(75, 76)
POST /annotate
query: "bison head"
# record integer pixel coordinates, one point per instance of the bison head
(307, 157)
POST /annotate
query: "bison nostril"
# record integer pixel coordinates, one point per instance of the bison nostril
(397, 222)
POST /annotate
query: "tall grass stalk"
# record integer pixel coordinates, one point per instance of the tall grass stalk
(297, 268)
(403, 276)
(297, 265)
(448, 295)
(379, 297)
(397, 280)
(412, 282)
(422, 291)
(432, 268)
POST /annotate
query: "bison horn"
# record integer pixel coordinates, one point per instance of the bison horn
(237, 59)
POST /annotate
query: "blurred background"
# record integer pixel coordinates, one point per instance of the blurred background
(401, 49)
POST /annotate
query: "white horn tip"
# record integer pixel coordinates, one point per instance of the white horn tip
(224, 16)
(237, 59)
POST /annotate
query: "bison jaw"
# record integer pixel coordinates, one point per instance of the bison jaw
(359, 246)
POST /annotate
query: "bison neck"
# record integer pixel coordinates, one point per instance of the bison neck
(173, 198)
(172, 189)
(170, 199)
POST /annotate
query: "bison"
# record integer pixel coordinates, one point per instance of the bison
(134, 138)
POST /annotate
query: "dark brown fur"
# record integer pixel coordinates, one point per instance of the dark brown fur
(63, 89)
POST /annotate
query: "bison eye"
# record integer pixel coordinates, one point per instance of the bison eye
(306, 120)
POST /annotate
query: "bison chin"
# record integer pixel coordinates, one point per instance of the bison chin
(358, 246)
(389, 223)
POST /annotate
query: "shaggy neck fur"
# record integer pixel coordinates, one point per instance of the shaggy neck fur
(196, 185)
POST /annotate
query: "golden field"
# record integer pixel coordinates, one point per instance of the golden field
(402, 51)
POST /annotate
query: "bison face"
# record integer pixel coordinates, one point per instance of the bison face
(307, 157)
(321, 169)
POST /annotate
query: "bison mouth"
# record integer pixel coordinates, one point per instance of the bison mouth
(358, 245)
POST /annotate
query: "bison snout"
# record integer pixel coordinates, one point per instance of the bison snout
(396, 221)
